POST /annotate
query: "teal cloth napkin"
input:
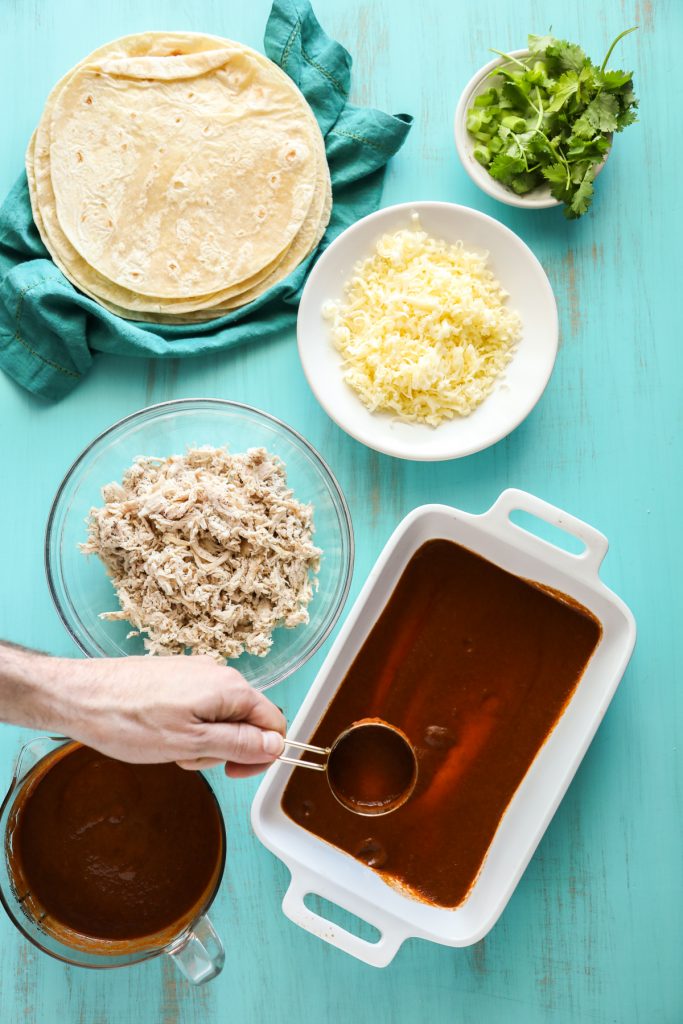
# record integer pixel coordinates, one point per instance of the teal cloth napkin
(49, 330)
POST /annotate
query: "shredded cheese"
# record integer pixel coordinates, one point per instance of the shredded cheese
(423, 330)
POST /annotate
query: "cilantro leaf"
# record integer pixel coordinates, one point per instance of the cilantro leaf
(612, 80)
(504, 167)
(627, 117)
(587, 149)
(525, 182)
(539, 44)
(627, 97)
(540, 149)
(569, 56)
(514, 96)
(582, 197)
(556, 176)
(578, 171)
(566, 87)
(602, 112)
(582, 128)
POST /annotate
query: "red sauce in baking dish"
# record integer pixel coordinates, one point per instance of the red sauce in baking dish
(113, 851)
(475, 665)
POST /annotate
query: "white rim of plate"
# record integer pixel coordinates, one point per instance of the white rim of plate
(308, 297)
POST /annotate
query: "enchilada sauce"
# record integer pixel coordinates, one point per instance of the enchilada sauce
(106, 851)
(475, 665)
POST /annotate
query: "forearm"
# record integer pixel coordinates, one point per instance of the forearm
(142, 709)
(33, 688)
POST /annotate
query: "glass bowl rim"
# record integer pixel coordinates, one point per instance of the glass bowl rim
(177, 404)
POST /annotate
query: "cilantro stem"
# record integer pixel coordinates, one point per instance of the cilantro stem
(621, 35)
(540, 109)
(522, 152)
(558, 153)
(508, 58)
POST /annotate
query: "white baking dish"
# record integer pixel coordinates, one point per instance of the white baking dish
(317, 867)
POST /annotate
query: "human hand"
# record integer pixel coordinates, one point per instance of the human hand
(187, 709)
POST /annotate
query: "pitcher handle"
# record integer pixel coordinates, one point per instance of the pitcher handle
(200, 955)
(33, 751)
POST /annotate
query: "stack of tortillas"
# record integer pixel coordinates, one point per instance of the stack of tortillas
(175, 176)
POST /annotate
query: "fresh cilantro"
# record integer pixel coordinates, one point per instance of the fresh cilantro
(524, 182)
(583, 128)
(583, 195)
(616, 79)
(567, 86)
(568, 56)
(556, 174)
(587, 149)
(515, 98)
(550, 117)
(627, 117)
(539, 44)
(505, 168)
(560, 183)
(602, 112)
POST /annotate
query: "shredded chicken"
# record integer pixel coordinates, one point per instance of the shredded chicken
(208, 552)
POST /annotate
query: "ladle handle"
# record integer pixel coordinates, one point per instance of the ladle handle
(315, 765)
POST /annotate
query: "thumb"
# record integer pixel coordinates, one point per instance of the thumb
(242, 743)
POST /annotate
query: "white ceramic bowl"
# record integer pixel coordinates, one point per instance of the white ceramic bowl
(540, 198)
(512, 399)
(319, 868)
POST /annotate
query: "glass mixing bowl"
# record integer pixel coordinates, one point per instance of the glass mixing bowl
(80, 586)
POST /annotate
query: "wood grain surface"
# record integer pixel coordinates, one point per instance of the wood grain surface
(593, 932)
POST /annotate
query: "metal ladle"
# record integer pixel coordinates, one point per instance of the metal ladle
(342, 759)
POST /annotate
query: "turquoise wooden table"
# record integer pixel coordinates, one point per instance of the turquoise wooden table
(593, 931)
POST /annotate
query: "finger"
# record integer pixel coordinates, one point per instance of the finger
(266, 715)
(240, 742)
(243, 703)
(199, 763)
(244, 771)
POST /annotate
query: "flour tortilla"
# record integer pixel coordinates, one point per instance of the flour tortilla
(305, 242)
(180, 180)
(38, 170)
(289, 263)
(128, 302)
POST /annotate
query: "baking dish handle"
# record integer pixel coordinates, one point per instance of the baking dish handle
(587, 563)
(378, 954)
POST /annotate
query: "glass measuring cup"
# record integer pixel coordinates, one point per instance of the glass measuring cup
(371, 767)
(194, 947)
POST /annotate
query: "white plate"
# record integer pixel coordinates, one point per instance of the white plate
(512, 399)
(317, 867)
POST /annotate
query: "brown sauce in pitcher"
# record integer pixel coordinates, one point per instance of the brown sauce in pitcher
(113, 851)
(475, 665)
